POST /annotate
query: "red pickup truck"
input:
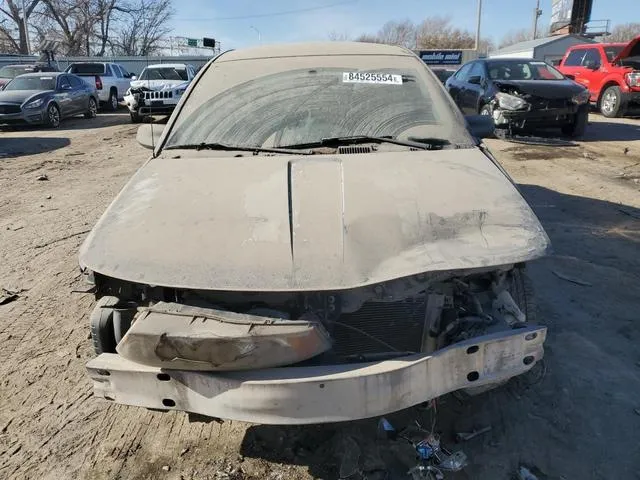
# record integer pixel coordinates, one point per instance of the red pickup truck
(611, 72)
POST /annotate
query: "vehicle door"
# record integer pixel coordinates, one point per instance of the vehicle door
(64, 96)
(80, 94)
(572, 65)
(474, 89)
(456, 83)
(591, 76)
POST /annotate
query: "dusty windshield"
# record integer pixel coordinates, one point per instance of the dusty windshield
(304, 105)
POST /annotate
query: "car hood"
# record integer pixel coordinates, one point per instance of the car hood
(18, 96)
(286, 223)
(159, 84)
(631, 50)
(551, 89)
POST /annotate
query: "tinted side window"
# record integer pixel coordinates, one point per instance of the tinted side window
(63, 81)
(75, 82)
(463, 73)
(575, 58)
(592, 57)
(477, 70)
(117, 71)
(124, 71)
(107, 69)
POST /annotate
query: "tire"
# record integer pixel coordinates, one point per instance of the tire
(579, 125)
(112, 103)
(485, 110)
(53, 116)
(92, 111)
(135, 118)
(521, 289)
(611, 102)
(101, 325)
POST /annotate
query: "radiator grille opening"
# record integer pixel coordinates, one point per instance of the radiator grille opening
(398, 324)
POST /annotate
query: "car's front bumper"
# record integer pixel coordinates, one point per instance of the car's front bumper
(34, 116)
(631, 99)
(522, 118)
(143, 107)
(320, 394)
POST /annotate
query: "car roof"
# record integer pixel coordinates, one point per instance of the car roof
(313, 49)
(167, 65)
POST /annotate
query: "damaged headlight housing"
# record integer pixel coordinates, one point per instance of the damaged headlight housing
(180, 91)
(510, 102)
(582, 97)
(633, 79)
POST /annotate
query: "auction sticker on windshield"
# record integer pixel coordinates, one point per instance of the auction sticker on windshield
(368, 77)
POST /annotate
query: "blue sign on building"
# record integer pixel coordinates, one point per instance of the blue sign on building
(441, 57)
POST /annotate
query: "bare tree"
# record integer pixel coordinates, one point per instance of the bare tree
(336, 36)
(437, 32)
(142, 30)
(398, 33)
(624, 32)
(13, 19)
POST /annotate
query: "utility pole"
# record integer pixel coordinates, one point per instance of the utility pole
(478, 26)
(536, 14)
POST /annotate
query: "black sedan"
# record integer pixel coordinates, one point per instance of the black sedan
(46, 98)
(521, 93)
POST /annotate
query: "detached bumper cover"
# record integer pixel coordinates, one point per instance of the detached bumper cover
(320, 394)
(544, 114)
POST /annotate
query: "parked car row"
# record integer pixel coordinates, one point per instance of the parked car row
(34, 94)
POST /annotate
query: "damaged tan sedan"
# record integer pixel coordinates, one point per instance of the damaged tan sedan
(319, 236)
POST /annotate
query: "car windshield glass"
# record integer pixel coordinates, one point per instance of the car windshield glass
(294, 106)
(613, 51)
(526, 70)
(164, 74)
(87, 69)
(11, 72)
(32, 83)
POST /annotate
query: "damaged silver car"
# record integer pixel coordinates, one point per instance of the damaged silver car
(319, 236)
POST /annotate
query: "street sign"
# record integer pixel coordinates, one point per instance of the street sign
(192, 42)
(208, 42)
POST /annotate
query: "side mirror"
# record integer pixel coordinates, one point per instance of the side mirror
(481, 126)
(133, 77)
(65, 87)
(149, 134)
(475, 80)
(591, 65)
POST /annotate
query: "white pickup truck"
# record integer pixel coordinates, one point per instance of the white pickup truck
(158, 89)
(110, 79)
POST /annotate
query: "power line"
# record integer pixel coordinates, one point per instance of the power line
(272, 14)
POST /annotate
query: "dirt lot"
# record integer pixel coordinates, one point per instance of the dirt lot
(576, 418)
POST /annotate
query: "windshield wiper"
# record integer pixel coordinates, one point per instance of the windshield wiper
(229, 148)
(420, 143)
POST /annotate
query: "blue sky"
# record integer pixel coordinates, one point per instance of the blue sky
(198, 18)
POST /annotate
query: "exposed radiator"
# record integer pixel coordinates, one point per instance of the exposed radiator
(399, 324)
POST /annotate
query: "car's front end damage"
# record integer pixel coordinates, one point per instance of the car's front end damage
(520, 105)
(311, 290)
(146, 100)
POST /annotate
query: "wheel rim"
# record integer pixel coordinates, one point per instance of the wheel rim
(54, 116)
(93, 108)
(114, 101)
(609, 102)
(485, 111)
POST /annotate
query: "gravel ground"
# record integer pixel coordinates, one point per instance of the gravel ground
(577, 417)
